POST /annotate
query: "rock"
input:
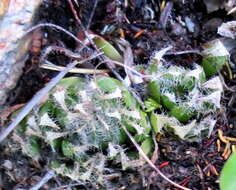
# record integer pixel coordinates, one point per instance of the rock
(190, 24)
(15, 20)
(7, 164)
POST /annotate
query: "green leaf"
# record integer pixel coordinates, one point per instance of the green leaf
(211, 65)
(107, 49)
(202, 77)
(183, 114)
(140, 138)
(228, 174)
(167, 103)
(133, 155)
(71, 82)
(154, 123)
(187, 84)
(34, 145)
(67, 148)
(23, 126)
(143, 123)
(151, 105)
(54, 111)
(55, 164)
(108, 84)
(129, 100)
(129, 127)
(56, 143)
(122, 137)
(154, 91)
(152, 69)
(147, 146)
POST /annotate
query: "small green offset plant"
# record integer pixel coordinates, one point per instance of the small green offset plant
(186, 101)
(79, 128)
(215, 57)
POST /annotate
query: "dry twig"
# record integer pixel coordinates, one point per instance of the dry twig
(92, 14)
(192, 51)
(49, 175)
(74, 70)
(74, 12)
(58, 28)
(68, 186)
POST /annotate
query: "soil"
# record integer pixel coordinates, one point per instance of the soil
(190, 164)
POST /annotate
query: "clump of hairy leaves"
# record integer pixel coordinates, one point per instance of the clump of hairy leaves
(188, 103)
(79, 128)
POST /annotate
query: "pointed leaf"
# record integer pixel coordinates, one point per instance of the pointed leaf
(212, 65)
(71, 82)
(67, 148)
(107, 49)
(151, 105)
(154, 91)
(228, 175)
(108, 84)
(167, 103)
(129, 100)
(147, 146)
(153, 120)
(181, 113)
(34, 146)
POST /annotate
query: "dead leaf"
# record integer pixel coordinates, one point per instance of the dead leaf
(8, 111)
(129, 63)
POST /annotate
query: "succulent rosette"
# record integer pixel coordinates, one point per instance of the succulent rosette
(79, 126)
(188, 102)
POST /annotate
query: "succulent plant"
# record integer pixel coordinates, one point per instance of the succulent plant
(79, 127)
(188, 102)
(215, 57)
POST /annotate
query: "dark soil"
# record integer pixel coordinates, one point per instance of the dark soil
(189, 164)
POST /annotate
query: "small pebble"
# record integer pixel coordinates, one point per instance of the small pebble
(188, 152)
(190, 24)
(7, 165)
